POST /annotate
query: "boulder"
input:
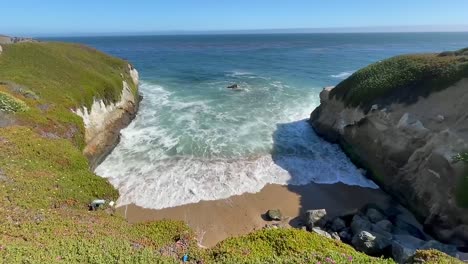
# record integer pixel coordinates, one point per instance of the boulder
(367, 243)
(335, 236)
(345, 235)
(359, 224)
(404, 228)
(385, 225)
(315, 218)
(274, 215)
(348, 216)
(234, 86)
(401, 253)
(338, 224)
(374, 215)
(381, 232)
(404, 247)
(321, 232)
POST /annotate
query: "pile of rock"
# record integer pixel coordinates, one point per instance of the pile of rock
(376, 231)
(12, 40)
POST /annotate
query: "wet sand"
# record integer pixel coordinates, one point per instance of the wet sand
(216, 220)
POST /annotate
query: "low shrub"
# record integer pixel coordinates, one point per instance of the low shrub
(403, 77)
(11, 104)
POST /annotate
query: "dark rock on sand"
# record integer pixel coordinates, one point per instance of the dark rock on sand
(370, 243)
(338, 224)
(315, 218)
(274, 215)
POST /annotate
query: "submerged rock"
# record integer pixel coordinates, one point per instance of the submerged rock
(234, 86)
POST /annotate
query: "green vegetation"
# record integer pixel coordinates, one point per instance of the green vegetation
(287, 246)
(9, 103)
(433, 257)
(402, 76)
(45, 183)
(461, 157)
(52, 78)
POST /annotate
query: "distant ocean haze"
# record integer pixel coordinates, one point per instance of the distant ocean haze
(194, 139)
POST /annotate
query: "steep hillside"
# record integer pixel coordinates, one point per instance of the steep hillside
(404, 119)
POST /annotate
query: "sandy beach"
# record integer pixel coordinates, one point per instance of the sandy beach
(216, 220)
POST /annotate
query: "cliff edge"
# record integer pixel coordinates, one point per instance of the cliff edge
(404, 119)
(103, 121)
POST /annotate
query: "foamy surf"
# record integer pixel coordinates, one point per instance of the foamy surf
(184, 149)
(342, 75)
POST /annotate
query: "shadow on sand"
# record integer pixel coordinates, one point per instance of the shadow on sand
(305, 156)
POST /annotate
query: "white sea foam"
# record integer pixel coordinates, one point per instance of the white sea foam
(342, 75)
(182, 150)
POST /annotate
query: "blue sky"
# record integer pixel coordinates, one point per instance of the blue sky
(34, 17)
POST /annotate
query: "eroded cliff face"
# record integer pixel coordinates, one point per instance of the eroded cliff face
(103, 121)
(409, 150)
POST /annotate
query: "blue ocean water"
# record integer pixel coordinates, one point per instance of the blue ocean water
(194, 139)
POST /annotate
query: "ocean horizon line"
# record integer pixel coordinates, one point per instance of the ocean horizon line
(328, 30)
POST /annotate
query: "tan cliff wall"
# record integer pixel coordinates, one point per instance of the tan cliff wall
(409, 149)
(103, 121)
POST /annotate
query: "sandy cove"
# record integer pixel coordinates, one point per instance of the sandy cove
(217, 220)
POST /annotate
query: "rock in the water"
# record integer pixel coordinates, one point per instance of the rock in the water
(316, 218)
(359, 224)
(274, 215)
(374, 215)
(321, 232)
(385, 225)
(338, 224)
(234, 86)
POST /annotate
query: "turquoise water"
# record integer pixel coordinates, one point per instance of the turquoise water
(194, 139)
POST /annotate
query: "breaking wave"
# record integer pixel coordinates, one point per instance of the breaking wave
(185, 148)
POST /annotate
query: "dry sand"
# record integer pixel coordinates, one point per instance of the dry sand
(214, 221)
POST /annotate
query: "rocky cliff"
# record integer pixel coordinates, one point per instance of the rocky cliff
(103, 121)
(404, 120)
